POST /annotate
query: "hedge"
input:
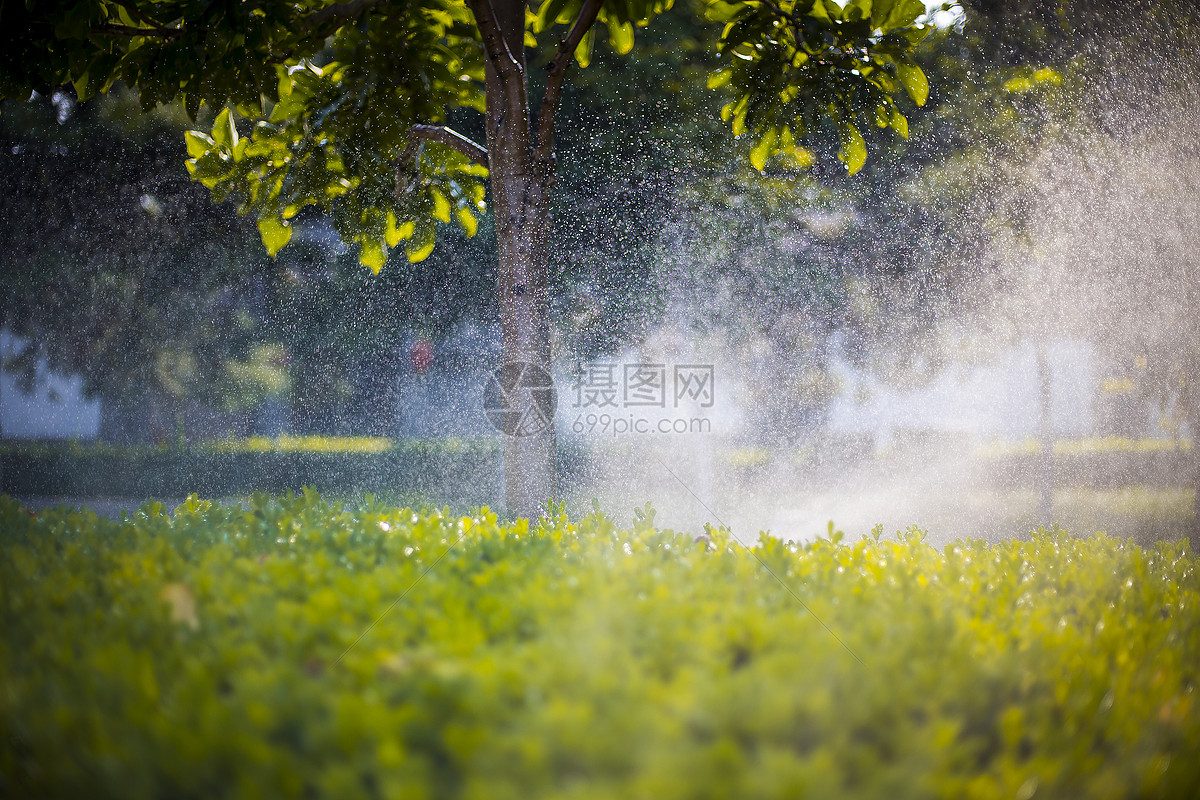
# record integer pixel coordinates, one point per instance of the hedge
(469, 471)
(301, 648)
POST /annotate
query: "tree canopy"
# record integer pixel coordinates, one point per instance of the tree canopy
(319, 101)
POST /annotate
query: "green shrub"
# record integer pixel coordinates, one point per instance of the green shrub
(305, 649)
(467, 471)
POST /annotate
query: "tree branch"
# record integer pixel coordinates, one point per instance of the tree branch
(556, 72)
(493, 39)
(443, 135)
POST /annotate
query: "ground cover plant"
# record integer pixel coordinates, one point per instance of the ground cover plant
(301, 648)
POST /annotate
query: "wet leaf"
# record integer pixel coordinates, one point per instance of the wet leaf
(275, 233)
(853, 152)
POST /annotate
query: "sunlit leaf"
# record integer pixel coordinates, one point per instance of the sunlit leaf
(467, 220)
(719, 78)
(373, 254)
(275, 233)
(620, 35)
(198, 143)
(421, 244)
(224, 133)
(583, 53)
(853, 152)
(914, 81)
(441, 206)
(395, 232)
(760, 152)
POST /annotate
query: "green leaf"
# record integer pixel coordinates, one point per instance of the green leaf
(887, 15)
(720, 78)
(467, 220)
(899, 123)
(210, 168)
(583, 53)
(620, 36)
(395, 233)
(441, 206)
(720, 11)
(275, 234)
(914, 81)
(224, 132)
(760, 152)
(857, 10)
(825, 11)
(854, 150)
(421, 244)
(198, 143)
(373, 255)
(547, 14)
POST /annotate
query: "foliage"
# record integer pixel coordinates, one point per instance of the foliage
(301, 649)
(328, 94)
(791, 69)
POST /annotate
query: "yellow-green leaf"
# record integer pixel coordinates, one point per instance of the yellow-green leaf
(224, 132)
(899, 123)
(720, 78)
(760, 152)
(583, 53)
(801, 157)
(739, 120)
(373, 255)
(421, 244)
(1018, 84)
(275, 233)
(395, 232)
(285, 82)
(198, 143)
(620, 36)
(467, 220)
(914, 81)
(1047, 75)
(441, 206)
(854, 150)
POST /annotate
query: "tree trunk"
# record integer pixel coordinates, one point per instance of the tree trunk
(519, 203)
(1046, 442)
(1193, 529)
(1, 423)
